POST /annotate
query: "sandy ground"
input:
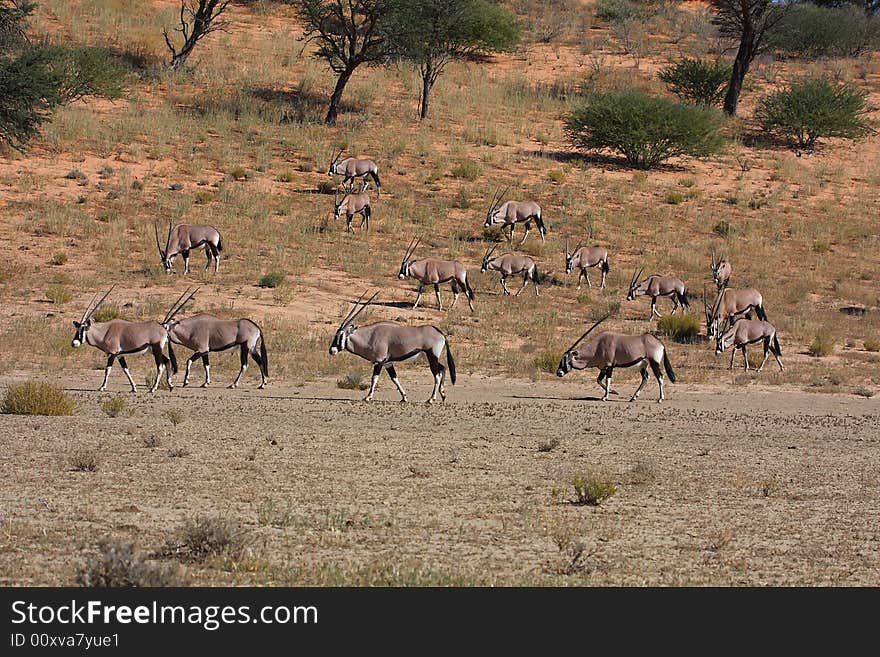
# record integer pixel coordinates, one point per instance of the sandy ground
(715, 486)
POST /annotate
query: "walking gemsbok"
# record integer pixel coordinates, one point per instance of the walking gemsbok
(746, 332)
(119, 338)
(513, 212)
(350, 205)
(730, 305)
(386, 343)
(583, 258)
(185, 237)
(658, 286)
(609, 350)
(430, 271)
(355, 167)
(206, 333)
(510, 264)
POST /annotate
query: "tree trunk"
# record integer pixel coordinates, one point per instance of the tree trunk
(744, 57)
(333, 110)
(426, 90)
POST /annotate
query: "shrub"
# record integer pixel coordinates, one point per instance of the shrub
(58, 294)
(614, 11)
(203, 537)
(697, 81)
(822, 344)
(872, 344)
(723, 228)
(546, 361)
(556, 175)
(59, 259)
(238, 173)
(36, 398)
(106, 312)
(272, 279)
(270, 514)
(862, 391)
(203, 196)
(151, 441)
(812, 107)
(86, 71)
(674, 198)
(85, 460)
(812, 32)
(115, 406)
(352, 381)
(466, 170)
(175, 416)
(286, 176)
(548, 445)
(591, 489)
(681, 328)
(645, 129)
(117, 563)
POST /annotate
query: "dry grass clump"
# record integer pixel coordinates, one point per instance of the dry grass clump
(592, 489)
(546, 361)
(681, 328)
(203, 537)
(352, 381)
(84, 460)
(115, 406)
(872, 344)
(117, 563)
(36, 398)
(58, 294)
(822, 344)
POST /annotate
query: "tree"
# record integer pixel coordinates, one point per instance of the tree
(348, 35)
(752, 22)
(28, 94)
(432, 33)
(696, 80)
(198, 18)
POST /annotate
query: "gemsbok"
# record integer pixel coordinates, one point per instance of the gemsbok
(514, 212)
(583, 258)
(721, 271)
(185, 237)
(205, 333)
(658, 286)
(355, 167)
(746, 332)
(430, 271)
(386, 343)
(119, 338)
(510, 264)
(350, 205)
(609, 350)
(730, 305)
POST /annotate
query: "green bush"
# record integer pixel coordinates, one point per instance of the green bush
(645, 129)
(812, 107)
(107, 312)
(681, 328)
(697, 81)
(546, 361)
(272, 279)
(822, 344)
(812, 32)
(674, 198)
(614, 11)
(592, 489)
(466, 170)
(58, 294)
(86, 71)
(36, 398)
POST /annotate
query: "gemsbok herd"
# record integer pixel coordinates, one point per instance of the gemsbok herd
(384, 344)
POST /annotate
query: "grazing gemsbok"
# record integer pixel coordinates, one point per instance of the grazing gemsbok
(658, 286)
(350, 205)
(609, 350)
(355, 167)
(430, 271)
(513, 212)
(118, 338)
(730, 305)
(206, 333)
(510, 264)
(583, 258)
(185, 237)
(386, 343)
(721, 271)
(746, 332)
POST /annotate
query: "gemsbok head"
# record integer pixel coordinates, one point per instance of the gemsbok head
(119, 338)
(608, 350)
(385, 343)
(185, 237)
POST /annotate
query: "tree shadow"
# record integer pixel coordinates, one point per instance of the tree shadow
(606, 161)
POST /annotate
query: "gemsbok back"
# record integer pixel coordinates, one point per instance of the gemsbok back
(583, 258)
(510, 264)
(514, 212)
(658, 286)
(386, 343)
(205, 333)
(730, 305)
(355, 167)
(119, 338)
(721, 271)
(350, 205)
(430, 271)
(609, 350)
(746, 332)
(185, 237)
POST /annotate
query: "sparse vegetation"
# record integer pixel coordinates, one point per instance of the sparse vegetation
(175, 416)
(681, 328)
(271, 514)
(872, 344)
(202, 537)
(546, 361)
(36, 398)
(84, 459)
(118, 563)
(58, 294)
(352, 381)
(548, 445)
(466, 170)
(822, 344)
(272, 279)
(59, 259)
(115, 406)
(592, 489)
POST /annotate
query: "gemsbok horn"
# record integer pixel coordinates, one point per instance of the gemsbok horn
(355, 167)
(430, 271)
(185, 237)
(510, 264)
(350, 205)
(658, 286)
(609, 350)
(721, 271)
(386, 343)
(118, 338)
(205, 333)
(731, 304)
(746, 332)
(583, 258)
(514, 212)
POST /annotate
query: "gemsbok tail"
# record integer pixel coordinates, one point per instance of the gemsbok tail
(668, 366)
(762, 315)
(450, 362)
(375, 176)
(536, 276)
(683, 299)
(264, 357)
(776, 345)
(172, 358)
(605, 267)
(220, 243)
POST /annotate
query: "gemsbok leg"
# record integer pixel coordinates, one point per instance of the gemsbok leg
(127, 373)
(528, 228)
(454, 293)
(643, 370)
(377, 371)
(419, 295)
(654, 308)
(185, 255)
(393, 374)
(745, 358)
(586, 273)
(437, 293)
(439, 373)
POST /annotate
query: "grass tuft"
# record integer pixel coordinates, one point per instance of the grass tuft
(36, 398)
(117, 564)
(591, 489)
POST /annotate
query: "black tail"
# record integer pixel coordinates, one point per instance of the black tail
(375, 176)
(450, 362)
(540, 223)
(605, 267)
(264, 357)
(536, 277)
(172, 358)
(220, 243)
(668, 366)
(776, 345)
(759, 310)
(468, 289)
(683, 299)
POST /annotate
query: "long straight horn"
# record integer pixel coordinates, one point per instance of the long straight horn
(168, 241)
(158, 244)
(566, 248)
(363, 305)
(97, 305)
(632, 281)
(177, 306)
(587, 332)
(88, 308)
(712, 261)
